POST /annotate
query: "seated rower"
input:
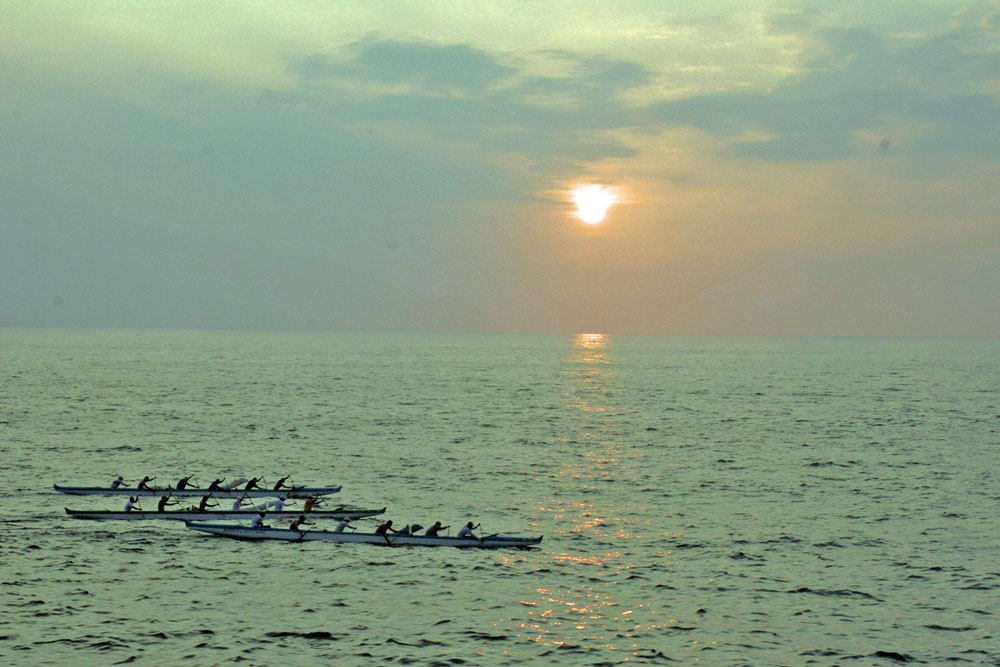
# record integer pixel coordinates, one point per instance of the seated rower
(162, 505)
(182, 483)
(433, 530)
(301, 521)
(253, 484)
(466, 531)
(344, 524)
(131, 504)
(384, 530)
(215, 485)
(281, 483)
(238, 503)
(144, 484)
(118, 482)
(280, 503)
(258, 521)
(203, 505)
(311, 502)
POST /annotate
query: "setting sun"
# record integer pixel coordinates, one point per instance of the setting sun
(592, 202)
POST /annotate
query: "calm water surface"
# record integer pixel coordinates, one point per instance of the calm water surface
(703, 500)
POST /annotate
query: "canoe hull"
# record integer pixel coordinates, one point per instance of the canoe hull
(244, 533)
(221, 515)
(296, 492)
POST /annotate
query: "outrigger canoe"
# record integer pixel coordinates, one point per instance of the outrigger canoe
(294, 492)
(245, 533)
(221, 515)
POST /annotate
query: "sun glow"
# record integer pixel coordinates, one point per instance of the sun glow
(592, 202)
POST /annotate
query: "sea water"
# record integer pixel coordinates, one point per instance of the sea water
(720, 501)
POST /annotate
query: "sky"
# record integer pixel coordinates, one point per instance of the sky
(778, 168)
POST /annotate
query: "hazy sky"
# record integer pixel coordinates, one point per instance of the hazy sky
(784, 167)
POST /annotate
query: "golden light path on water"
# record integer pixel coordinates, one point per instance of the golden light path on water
(562, 615)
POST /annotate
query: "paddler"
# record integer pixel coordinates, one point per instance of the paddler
(130, 505)
(118, 482)
(281, 483)
(203, 504)
(433, 530)
(215, 485)
(253, 484)
(384, 530)
(279, 504)
(343, 525)
(296, 525)
(311, 502)
(182, 483)
(466, 531)
(144, 484)
(238, 503)
(258, 521)
(162, 505)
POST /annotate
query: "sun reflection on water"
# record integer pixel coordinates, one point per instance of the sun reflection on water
(591, 341)
(595, 592)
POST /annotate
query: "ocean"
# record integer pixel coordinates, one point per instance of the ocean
(714, 501)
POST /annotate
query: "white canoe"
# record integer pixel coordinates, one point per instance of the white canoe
(294, 492)
(270, 533)
(221, 515)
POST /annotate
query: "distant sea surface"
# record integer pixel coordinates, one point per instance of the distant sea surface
(720, 501)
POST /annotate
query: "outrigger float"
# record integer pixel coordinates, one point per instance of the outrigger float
(267, 533)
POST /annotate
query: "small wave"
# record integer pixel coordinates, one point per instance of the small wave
(482, 635)
(319, 634)
(964, 628)
(845, 593)
(650, 654)
(422, 642)
(892, 655)
(108, 645)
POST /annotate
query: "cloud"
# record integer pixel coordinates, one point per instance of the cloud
(471, 95)
(432, 67)
(855, 80)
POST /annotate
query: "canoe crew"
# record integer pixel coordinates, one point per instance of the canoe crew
(258, 521)
(144, 484)
(215, 486)
(344, 523)
(433, 530)
(466, 531)
(281, 483)
(384, 529)
(311, 502)
(296, 525)
(253, 484)
(182, 483)
(118, 482)
(130, 505)
(162, 505)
